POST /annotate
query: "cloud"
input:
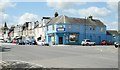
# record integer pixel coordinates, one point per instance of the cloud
(3, 17)
(112, 5)
(6, 3)
(3, 5)
(62, 5)
(59, 5)
(94, 11)
(69, 7)
(112, 25)
(71, 11)
(28, 17)
(82, 0)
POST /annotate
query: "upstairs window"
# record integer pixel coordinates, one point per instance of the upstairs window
(53, 27)
(47, 28)
(69, 26)
(102, 29)
(93, 27)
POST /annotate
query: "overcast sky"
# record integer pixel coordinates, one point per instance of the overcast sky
(18, 12)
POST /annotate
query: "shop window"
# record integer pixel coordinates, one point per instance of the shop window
(73, 37)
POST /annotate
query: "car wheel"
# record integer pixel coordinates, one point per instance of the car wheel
(87, 44)
(116, 46)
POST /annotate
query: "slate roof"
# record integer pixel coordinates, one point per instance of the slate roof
(112, 32)
(70, 20)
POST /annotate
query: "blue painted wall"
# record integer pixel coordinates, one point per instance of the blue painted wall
(96, 33)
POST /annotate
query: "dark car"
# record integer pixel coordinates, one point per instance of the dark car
(20, 42)
(27, 42)
(33, 42)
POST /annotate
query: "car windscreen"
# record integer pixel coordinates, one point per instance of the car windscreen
(87, 40)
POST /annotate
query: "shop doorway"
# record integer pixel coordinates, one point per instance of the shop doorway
(60, 40)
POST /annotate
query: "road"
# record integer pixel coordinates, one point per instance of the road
(73, 56)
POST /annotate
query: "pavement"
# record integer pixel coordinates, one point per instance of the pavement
(61, 56)
(7, 44)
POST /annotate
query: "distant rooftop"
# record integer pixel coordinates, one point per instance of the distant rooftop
(112, 32)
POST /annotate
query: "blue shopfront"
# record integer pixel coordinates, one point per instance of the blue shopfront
(63, 38)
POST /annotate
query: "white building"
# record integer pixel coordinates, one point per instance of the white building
(40, 29)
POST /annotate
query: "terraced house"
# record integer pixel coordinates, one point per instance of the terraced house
(69, 30)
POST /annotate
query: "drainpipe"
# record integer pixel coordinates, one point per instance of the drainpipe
(85, 27)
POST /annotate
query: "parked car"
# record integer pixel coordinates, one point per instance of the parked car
(105, 42)
(14, 41)
(26, 42)
(1, 40)
(33, 42)
(117, 44)
(20, 42)
(8, 41)
(109, 43)
(42, 43)
(87, 42)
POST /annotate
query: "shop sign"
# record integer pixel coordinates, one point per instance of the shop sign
(60, 29)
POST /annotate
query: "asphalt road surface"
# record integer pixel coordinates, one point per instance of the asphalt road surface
(73, 56)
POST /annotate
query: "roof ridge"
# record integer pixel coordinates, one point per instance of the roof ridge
(59, 19)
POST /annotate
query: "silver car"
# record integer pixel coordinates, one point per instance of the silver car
(117, 44)
(42, 43)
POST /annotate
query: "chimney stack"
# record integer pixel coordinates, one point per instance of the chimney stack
(56, 14)
(91, 17)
